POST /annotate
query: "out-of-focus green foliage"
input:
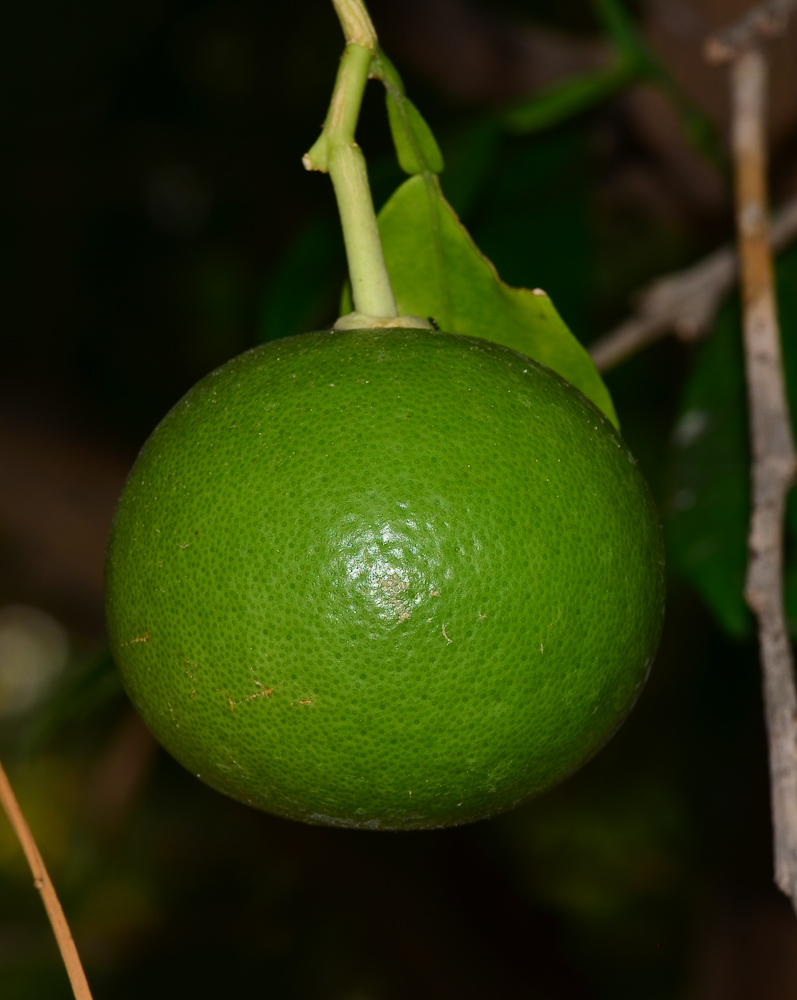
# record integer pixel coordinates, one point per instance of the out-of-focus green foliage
(88, 690)
(305, 282)
(574, 95)
(708, 508)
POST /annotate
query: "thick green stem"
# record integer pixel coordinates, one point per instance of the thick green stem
(337, 153)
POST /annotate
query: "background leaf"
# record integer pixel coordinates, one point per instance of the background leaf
(708, 508)
(301, 293)
(573, 96)
(438, 271)
(709, 495)
(534, 218)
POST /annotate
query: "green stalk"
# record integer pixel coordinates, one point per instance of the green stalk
(337, 153)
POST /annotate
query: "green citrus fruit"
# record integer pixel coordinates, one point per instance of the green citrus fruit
(387, 579)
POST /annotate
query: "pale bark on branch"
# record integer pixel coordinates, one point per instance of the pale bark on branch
(773, 454)
(765, 20)
(42, 882)
(686, 302)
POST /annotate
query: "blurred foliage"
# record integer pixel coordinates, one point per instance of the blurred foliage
(708, 509)
(154, 220)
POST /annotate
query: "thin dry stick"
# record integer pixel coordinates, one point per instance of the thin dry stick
(685, 303)
(42, 882)
(766, 20)
(774, 458)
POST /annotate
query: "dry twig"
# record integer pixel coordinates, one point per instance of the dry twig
(766, 20)
(774, 458)
(686, 302)
(773, 452)
(42, 882)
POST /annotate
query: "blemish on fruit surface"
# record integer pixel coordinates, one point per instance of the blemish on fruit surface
(307, 701)
(132, 642)
(263, 693)
(445, 634)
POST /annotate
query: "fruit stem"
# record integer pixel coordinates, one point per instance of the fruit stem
(356, 23)
(337, 153)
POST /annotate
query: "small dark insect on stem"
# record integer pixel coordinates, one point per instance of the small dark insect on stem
(433, 321)
(41, 881)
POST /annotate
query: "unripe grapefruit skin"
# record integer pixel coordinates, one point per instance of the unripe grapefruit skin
(384, 579)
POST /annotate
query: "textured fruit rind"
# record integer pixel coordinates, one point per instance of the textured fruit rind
(388, 579)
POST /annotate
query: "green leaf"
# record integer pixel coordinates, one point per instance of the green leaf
(437, 271)
(416, 147)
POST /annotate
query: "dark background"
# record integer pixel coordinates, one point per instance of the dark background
(155, 219)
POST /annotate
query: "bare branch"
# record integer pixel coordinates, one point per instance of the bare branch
(765, 20)
(774, 458)
(685, 302)
(42, 882)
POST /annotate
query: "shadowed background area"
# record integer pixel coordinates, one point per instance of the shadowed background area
(155, 219)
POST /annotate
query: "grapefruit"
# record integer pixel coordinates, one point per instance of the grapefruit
(384, 578)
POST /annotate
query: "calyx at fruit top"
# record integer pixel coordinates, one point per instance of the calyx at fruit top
(359, 321)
